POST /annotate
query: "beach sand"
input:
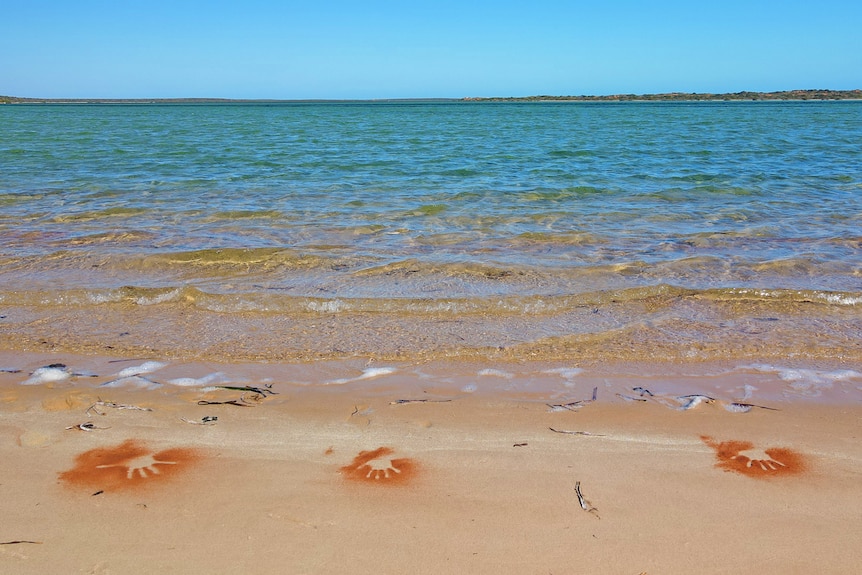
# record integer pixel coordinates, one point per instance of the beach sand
(349, 478)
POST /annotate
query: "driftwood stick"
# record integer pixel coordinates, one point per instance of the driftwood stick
(585, 505)
(567, 432)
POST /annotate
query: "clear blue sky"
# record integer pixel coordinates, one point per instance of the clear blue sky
(444, 48)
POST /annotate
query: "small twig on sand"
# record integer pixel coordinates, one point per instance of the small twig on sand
(403, 401)
(573, 405)
(630, 398)
(206, 420)
(691, 401)
(585, 505)
(94, 408)
(266, 389)
(739, 407)
(88, 426)
(241, 402)
(254, 397)
(19, 542)
(575, 432)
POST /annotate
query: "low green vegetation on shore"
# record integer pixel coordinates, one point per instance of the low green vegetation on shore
(688, 97)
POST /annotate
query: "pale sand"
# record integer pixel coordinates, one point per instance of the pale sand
(485, 486)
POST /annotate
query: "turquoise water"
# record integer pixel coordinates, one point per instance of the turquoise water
(407, 207)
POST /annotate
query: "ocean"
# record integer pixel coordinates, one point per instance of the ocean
(463, 337)
(416, 231)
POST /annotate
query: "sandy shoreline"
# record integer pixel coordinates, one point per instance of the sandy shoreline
(466, 483)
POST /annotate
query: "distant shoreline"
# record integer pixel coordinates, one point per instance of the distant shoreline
(787, 95)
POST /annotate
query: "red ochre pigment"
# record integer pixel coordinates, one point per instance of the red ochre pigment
(766, 464)
(128, 466)
(377, 468)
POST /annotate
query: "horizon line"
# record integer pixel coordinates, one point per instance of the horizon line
(810, 94)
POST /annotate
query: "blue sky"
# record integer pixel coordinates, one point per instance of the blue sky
(399, 49)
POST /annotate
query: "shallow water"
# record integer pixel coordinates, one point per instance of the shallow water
(417, 230)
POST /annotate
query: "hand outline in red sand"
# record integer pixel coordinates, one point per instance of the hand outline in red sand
(377, 467)
(742, 457)
(127, 466)
(141, 464)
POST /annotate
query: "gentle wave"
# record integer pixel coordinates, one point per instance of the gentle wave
(247, 258)
(279, 303)
(340, 270)
(111, 238)
(107, 213)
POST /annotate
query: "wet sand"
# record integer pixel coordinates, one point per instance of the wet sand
(350, 477)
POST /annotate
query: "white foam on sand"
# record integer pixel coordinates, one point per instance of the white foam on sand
(748, 391)
(330, 306)
(146, 367)
(47, 374)
(368, 373)
(565, 372)
(807, 382)
(135, 381)
(496, 373)
(210, 379)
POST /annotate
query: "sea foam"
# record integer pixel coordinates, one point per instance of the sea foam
(368, 373)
